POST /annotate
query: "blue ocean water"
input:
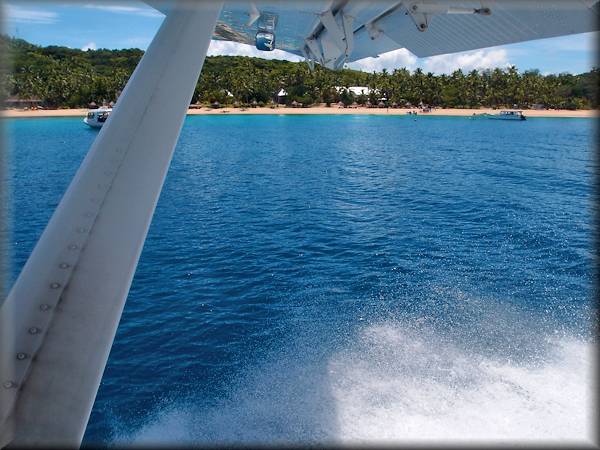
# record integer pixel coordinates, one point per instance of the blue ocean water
(346, 279)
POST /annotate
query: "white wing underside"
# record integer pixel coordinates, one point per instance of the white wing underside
(373, 28)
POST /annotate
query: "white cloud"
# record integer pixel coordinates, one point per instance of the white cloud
(89, 46)
(18, 14)
(467, 61)
(395, 59)
(237, 49)
(221, 48)
(126, 9)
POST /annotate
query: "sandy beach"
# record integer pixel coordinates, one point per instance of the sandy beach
(313, 110)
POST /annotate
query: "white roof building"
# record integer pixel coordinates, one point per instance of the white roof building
(356, 90)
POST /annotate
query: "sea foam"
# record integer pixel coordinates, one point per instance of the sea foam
(395, 382)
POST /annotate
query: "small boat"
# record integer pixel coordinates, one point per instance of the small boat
(506, 115)
(96, 117)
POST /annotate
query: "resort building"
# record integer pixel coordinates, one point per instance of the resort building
(356, 90)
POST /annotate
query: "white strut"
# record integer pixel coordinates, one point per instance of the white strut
(58, 322)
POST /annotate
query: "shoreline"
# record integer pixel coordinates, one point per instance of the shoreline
(590, 113)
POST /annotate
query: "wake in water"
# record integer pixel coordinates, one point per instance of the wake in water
(396, 385)
(492, 377)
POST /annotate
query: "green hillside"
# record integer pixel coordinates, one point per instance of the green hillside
(65, 77)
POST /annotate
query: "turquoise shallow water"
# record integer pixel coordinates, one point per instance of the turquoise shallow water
(346, 279)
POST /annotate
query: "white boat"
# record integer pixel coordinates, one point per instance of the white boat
(507, 115)
(96, 117)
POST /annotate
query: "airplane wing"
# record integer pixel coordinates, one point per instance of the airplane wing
(332, 33)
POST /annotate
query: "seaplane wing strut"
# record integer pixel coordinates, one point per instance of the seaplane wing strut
(58, 322)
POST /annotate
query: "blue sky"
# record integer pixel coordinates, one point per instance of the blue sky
(129, 24)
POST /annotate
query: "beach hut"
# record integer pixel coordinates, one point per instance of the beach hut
(92, 105)
(368, 104)
(215, 105)
(340, 104)
(381, 104)
(394, 105)
(254, 103)
(354, 105)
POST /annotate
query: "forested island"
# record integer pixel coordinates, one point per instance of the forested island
(62, 77)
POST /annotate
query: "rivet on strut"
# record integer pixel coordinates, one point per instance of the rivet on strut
(21, 356)
(45, 307)
(9, 384)
(54, 285)
(34, 330)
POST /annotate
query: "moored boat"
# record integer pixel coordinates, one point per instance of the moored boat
(504, 115)
(96, 117)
